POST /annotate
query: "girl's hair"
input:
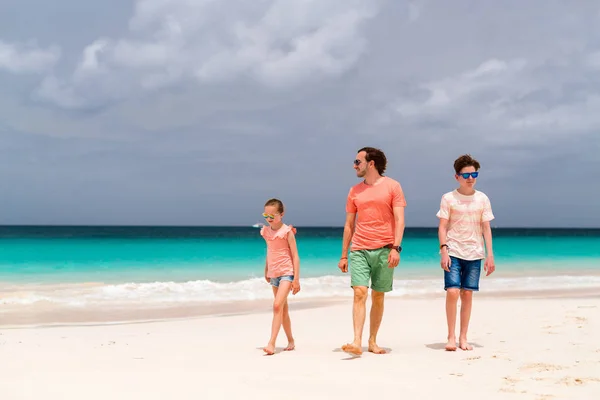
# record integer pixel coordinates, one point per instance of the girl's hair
(277, 203)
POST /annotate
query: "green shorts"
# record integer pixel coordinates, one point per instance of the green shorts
(371, 265)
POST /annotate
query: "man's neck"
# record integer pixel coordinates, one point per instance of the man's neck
(372, 179)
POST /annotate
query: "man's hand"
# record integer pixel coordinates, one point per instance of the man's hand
(295, 286)
(445, 262)
(489, 265)
(393, 258)
(343, 265)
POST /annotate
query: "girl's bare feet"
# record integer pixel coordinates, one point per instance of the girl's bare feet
(270, 349)
(291, 346)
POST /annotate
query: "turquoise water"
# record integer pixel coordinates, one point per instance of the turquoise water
(215, 262)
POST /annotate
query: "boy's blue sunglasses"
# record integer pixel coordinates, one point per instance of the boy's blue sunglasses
(467, 174)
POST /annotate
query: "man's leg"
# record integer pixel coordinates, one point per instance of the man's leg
(452, 284)
(359, 280)
(376, 317)
(470, 284)
(359, 309)
(382, 282)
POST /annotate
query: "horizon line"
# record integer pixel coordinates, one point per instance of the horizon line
(250, 226)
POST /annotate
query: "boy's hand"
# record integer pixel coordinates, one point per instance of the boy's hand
(489, 265)
(295, 286)
(445, 262)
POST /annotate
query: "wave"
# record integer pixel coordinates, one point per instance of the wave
(206, 291)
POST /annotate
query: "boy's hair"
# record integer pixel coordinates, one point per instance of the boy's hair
(377, 156)
(277, 203)
(465, 161)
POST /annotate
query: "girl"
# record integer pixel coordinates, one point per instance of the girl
(282, 269)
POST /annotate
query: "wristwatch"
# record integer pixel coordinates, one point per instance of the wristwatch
(398, 248)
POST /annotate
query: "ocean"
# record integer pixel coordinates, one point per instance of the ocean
(103, 266)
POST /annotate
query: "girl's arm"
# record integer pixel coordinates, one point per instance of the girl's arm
(295, 260)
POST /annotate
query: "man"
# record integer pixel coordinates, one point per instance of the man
(465, 215)
(375, 226)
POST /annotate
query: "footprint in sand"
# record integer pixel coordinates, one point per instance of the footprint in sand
(571, 381)
(541, 367)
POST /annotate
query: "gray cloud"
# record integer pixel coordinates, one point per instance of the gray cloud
(181, 112)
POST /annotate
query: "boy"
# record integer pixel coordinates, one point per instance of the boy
(465, 216)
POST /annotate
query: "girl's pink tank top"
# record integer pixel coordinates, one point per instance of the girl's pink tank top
(279, 255)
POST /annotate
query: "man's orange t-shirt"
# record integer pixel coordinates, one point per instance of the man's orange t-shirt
(373, 205)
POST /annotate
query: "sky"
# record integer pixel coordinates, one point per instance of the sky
(178, 112)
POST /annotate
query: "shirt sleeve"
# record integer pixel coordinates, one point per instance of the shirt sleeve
(350, 206)
(398, 199)
(444, 211)
(487, 211)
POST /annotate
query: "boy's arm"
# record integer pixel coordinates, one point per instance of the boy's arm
(443, 234)
(487, 236)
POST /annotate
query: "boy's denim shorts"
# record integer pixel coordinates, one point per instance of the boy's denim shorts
(275, 281)
(464, 274)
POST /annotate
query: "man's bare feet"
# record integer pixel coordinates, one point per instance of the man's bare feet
(464, 345)
(291, 346)
(373, 348)
(352, 348)
(270, 349)
(451, 345)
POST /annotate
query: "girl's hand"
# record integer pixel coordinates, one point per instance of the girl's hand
(267, 278)
(295, 286)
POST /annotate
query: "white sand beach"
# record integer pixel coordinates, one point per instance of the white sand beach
(524, 349)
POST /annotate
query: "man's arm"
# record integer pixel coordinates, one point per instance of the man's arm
(399, 225)
(348, 232)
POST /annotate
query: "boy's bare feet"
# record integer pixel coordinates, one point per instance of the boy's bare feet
(291, 346)
(373, 348)
(464, 345)
(270, 349)
(451, 345)
(352, 348)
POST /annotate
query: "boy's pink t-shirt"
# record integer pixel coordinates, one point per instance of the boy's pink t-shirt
(465, 214)
(374, 208)
(279, 254)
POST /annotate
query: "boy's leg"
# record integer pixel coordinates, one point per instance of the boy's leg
(452, 284)
(381, 283)
(470, 284)
(360, 272)
(281, 294)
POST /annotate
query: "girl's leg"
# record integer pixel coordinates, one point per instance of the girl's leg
(287, 327)
(281, 295)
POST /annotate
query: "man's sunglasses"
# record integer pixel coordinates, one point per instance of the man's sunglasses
(357, 162)
(467, 174)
